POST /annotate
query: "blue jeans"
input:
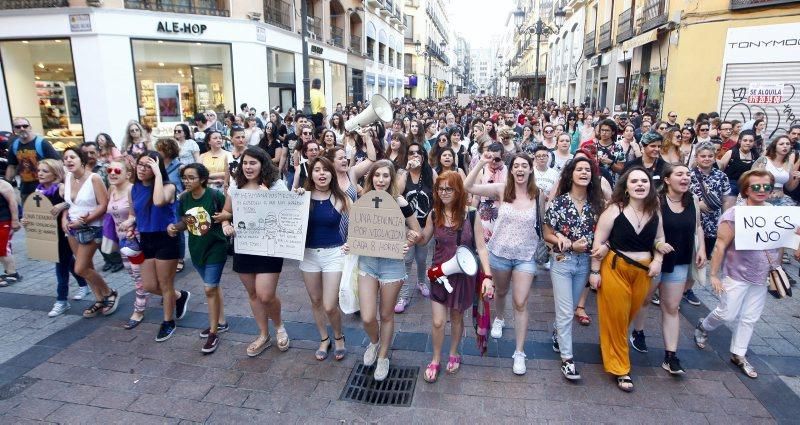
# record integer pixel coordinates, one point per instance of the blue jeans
(63, 270)
(569, 277)
(210, 273)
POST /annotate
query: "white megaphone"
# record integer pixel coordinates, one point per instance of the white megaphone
(463, 262)
(379, 109)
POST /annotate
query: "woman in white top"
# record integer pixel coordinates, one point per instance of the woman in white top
(190, 151)
(511, 251)
(782, 163)
(254, 133)
(561, 154)
(87, 197)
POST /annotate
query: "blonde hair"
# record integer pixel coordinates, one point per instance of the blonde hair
(392, 189)
(56, 167)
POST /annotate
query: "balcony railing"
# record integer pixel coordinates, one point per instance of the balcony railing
(355, 44)
(654, 14)
(337, 36)
(588, 44)
(605, 37)
(278, 13)
(32, 4)
(747, 4)
(316, 27)
(625, 26)
(196, 7)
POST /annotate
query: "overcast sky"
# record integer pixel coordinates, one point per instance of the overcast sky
(479, 20)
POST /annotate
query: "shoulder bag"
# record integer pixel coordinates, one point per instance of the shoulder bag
(778, 282)
(542, 254)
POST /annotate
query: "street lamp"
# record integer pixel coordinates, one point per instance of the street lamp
(429, 52)
(539, 28)
(507, 72)
(306, 80)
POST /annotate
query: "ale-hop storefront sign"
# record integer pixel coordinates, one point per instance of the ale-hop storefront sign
(181, 28)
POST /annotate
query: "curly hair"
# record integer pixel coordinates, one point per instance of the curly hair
(269, 173)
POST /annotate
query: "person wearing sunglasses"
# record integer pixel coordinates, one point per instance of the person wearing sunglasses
(24, 153)
(108, 249)
(742, 292)
(703, 132)
(189, 149)
(453, 225)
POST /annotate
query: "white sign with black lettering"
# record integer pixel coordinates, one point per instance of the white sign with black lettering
(760, 228)
(270, 223)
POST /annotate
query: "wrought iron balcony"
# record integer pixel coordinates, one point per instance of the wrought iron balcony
(32, 4)
(605, 37)
(278, 13)
(747, 4)
(625, 25)
(315, 27)
(337, 36)
(654, 14)
(195, 7)
(355, 44)
(588, 44)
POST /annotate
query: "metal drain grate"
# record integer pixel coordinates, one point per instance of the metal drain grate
(396, 390)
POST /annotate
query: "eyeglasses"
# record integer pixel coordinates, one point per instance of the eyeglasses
(143, 166)
(413, 153)
(178, 131)
(188, 178)
(548, 131)
(662, 128)
(111, 170)
(21, 126)
(766, 187)
(306, 133)
(447, 190)
(673, 116)
(497, 159)
(703, 129)
(542, 156)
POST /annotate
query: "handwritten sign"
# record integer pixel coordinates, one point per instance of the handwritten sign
(463, 99)
(270, 223)
(760, 228)
(41, 230)
(377, 227)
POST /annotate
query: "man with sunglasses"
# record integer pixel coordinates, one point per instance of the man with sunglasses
(672, 119)
(703, 132)
(24, 157)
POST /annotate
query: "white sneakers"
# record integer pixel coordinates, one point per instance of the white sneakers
(519, 363)
(83, 292)
(59, 308)
(497, 328)
(382, 370)
(371, 354)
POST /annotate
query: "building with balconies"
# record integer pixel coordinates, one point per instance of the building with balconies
(428, 47)
(566, 49)
(96, 65)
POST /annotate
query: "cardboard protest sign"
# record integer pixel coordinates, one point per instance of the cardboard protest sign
(760, 228)
(463, 99)
(41, 237)
(377, 227)
(270, 223)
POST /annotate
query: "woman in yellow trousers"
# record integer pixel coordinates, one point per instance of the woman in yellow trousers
(630, 228)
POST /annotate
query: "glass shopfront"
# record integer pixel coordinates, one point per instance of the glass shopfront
(40, 79)
(316, 69)
(175, 80)
(338, 83)
(282, 91)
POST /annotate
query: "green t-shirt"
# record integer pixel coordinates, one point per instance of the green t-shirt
(207, 243)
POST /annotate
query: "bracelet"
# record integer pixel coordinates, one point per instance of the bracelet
(595, 272)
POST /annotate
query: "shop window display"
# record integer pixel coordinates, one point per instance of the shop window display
(40, 78)
(175, 80)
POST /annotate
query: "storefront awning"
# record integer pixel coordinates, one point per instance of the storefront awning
(521, 77)
(640, 40)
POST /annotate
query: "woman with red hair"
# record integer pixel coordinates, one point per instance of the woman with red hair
(452, 225)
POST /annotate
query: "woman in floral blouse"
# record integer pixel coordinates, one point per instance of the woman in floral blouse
(569, 227)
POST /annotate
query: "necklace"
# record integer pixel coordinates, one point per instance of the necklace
(638, 218)
(673, 201)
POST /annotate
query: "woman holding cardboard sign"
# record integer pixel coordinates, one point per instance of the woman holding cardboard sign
(259, 274)
(511, 252)
(452, 226)
(743, 291)
(384, 275)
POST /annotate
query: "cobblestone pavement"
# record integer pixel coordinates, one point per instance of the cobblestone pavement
(72, 370)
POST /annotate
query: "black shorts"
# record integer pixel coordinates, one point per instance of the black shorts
(245, 263)
(159, 245)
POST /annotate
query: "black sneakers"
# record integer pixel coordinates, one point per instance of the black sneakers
(181, 303)
(672, 365)
(221, 328)
(691, 298)
(165, 331)
(211, 344)
(637, 341)
(569, 371)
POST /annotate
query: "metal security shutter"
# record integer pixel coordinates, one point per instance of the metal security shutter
(780, 117)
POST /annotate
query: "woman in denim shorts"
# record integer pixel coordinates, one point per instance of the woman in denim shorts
(323, 259)
(680, 213)
(513, 242)
(384, 275)
(198, 210)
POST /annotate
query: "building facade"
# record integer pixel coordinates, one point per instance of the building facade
(429, 47)
(76, 68)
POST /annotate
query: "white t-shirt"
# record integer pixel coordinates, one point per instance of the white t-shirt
(186, 154)
(545, 180)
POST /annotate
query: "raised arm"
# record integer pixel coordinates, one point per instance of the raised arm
(489, 190)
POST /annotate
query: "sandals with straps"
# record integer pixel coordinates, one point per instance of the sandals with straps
(745, 366)
(625, 383)
(453, 364)
(110, 303)
(584, 319)
(323, 354)
(434, 369)
(94, 310)
(338, 354)
(283, 338)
